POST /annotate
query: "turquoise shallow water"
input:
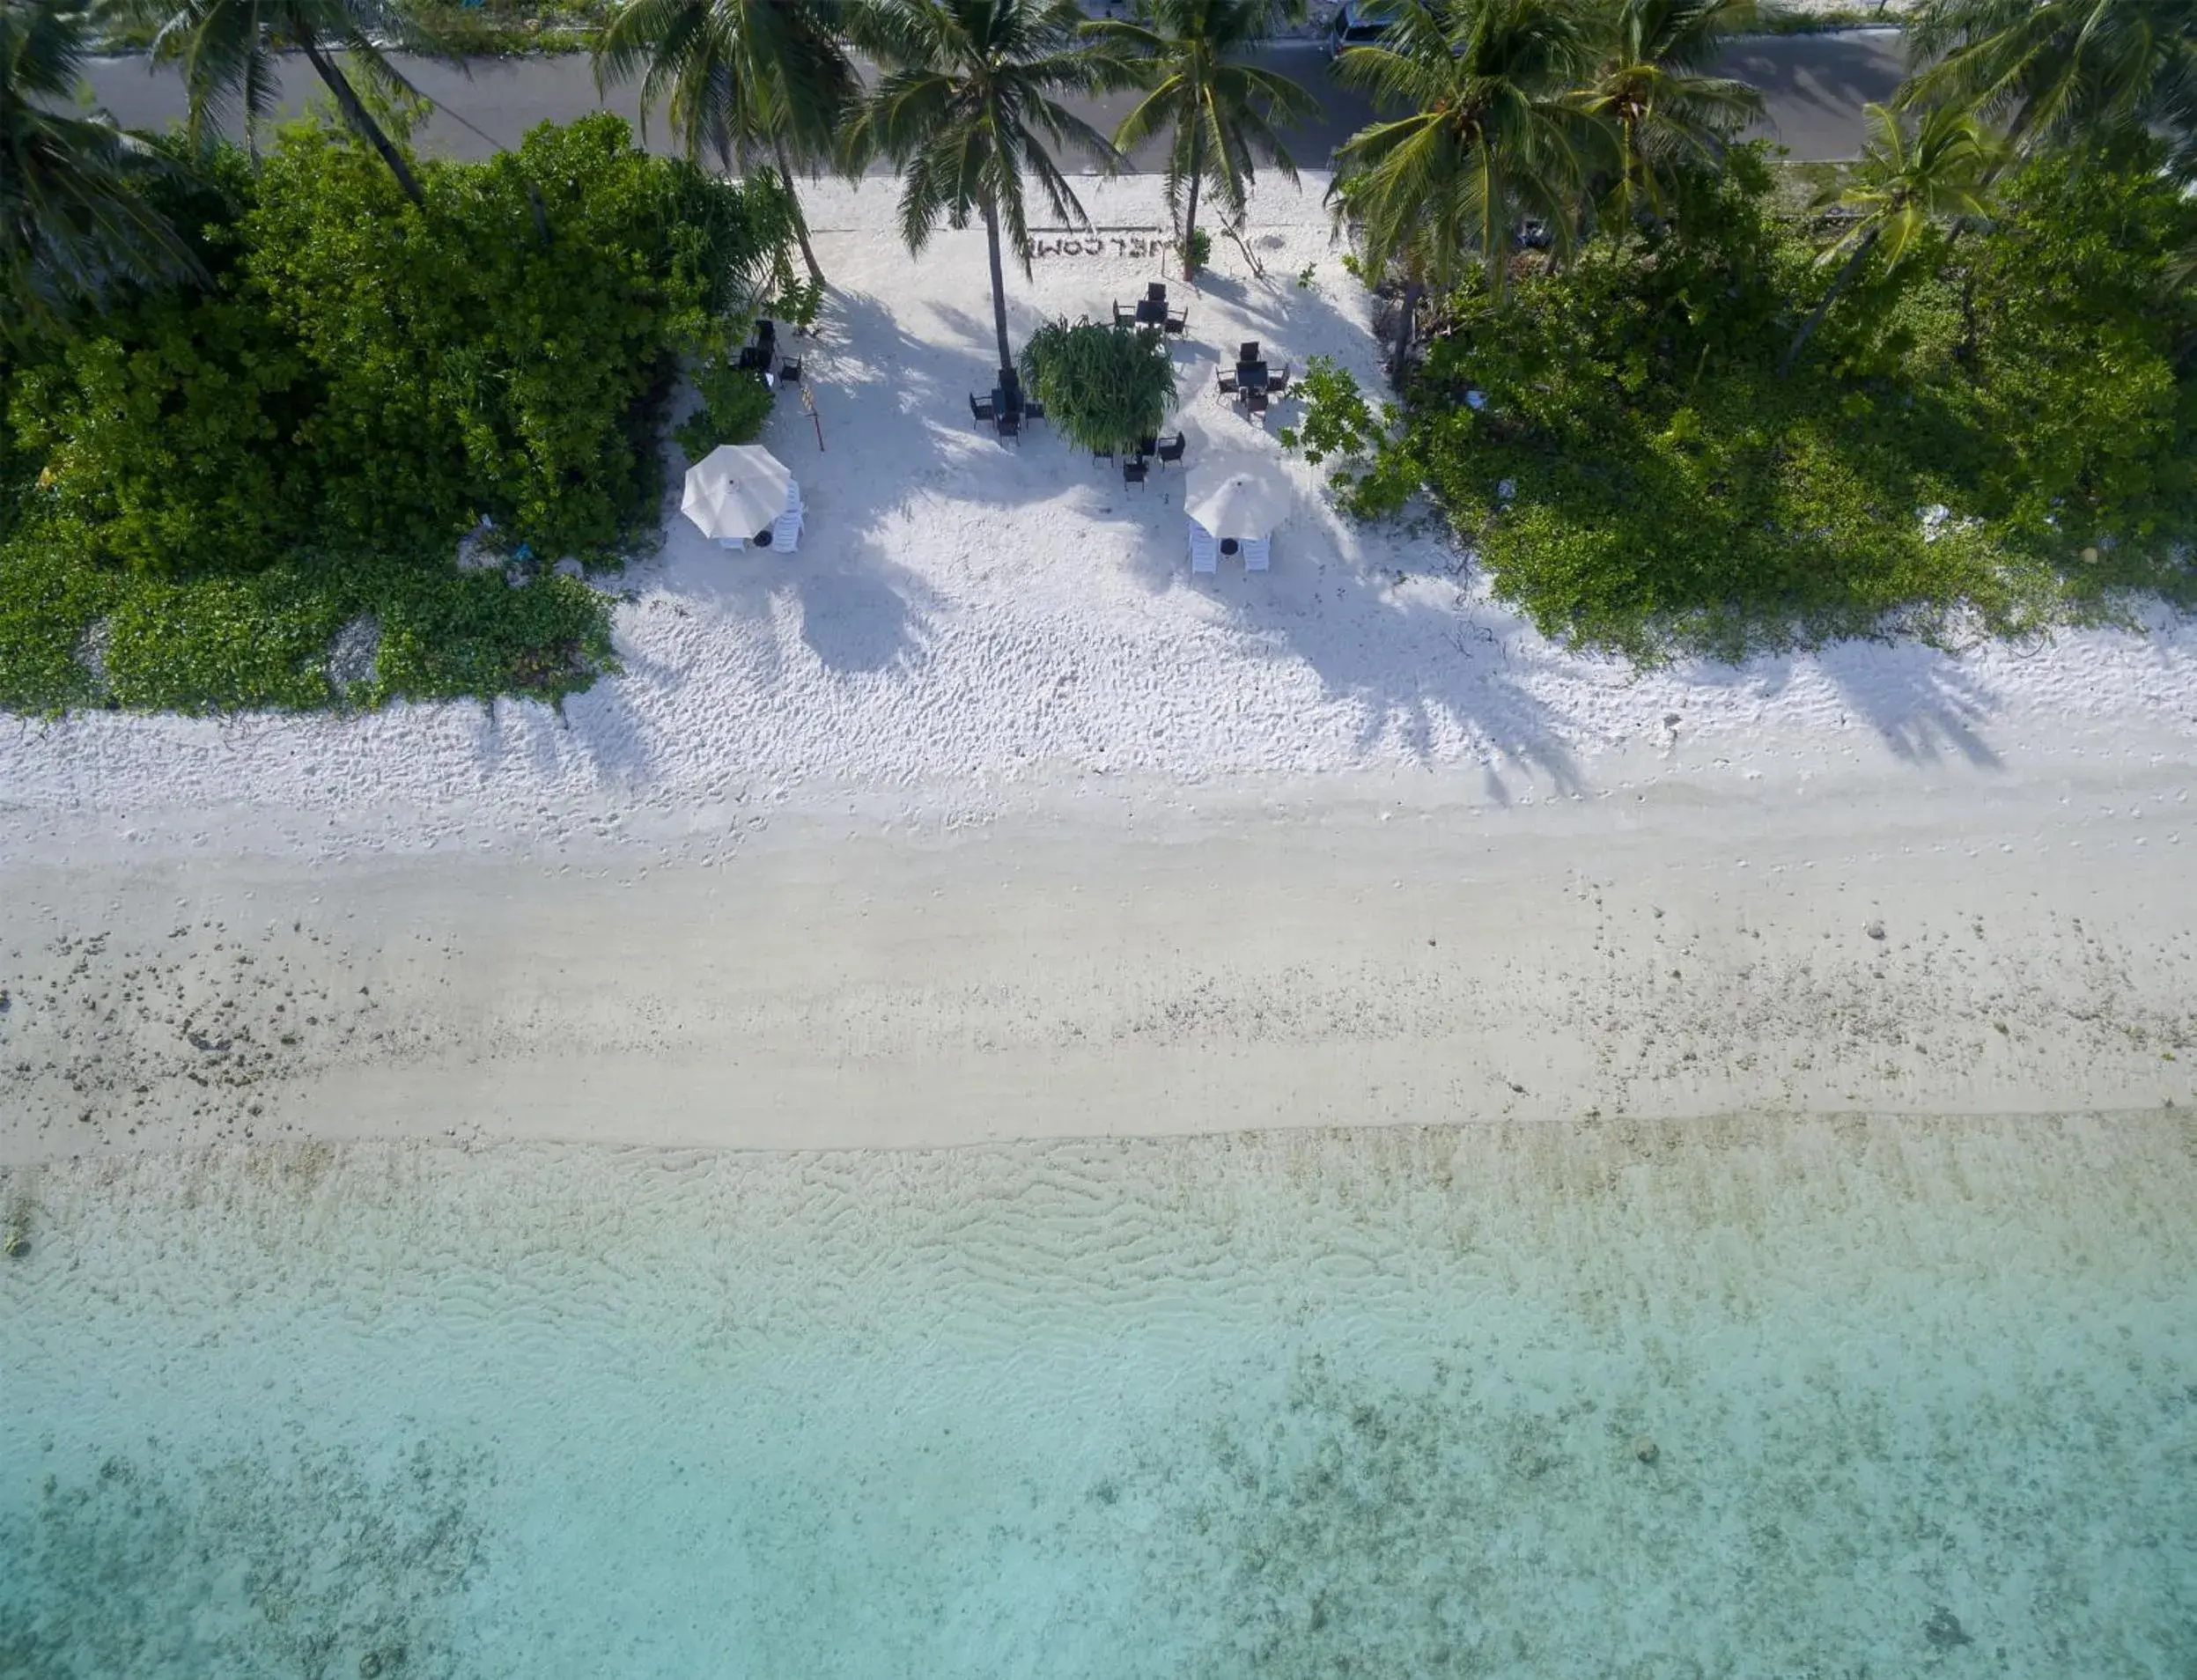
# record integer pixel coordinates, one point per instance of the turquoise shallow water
(1745, 1398)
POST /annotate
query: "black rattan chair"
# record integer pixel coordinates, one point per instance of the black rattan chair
(1173, 451)
(1133, 471)
(1228, 384)
(980, 410)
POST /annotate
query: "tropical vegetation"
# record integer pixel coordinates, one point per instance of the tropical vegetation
(1104, 388)
(205, 484)
(1668, 408)
(968, 105)
(741, 78)
(1217, 111)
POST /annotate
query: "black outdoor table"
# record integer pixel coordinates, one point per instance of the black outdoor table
(1152, 312)
(1251, 376)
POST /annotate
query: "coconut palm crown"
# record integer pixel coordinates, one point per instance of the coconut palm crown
(966, 109)
(738, 77)
(1650, 85)
(73, 224)
(1217, 110)
(227, 49)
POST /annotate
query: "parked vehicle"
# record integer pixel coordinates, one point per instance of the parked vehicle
(1359, 23)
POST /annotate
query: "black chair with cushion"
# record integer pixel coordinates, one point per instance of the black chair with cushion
(1132, 472)
(1011, 427)
(1228, 384)
(1248, 351)
(789, 373)
(1173, 450)
(1148, 445)
(980, 410)
(1156, 290)
(1255, 401)
(1277, 383)
(1178, 322)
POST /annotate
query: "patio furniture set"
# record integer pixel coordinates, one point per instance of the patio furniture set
(1251, 383)
(763, 358)
(1152, 309)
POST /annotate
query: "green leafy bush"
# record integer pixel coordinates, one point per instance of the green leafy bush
(1997, 429)
(1103, 387)
(1377, 474)
(219, 480)
(480, 356)
(168, 435)
(735, 403)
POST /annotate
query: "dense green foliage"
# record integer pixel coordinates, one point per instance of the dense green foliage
(1103, 387)
(735, 403)
(2006, 429)
(221, 478)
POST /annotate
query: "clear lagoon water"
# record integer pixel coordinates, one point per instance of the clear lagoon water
(1744, 1397)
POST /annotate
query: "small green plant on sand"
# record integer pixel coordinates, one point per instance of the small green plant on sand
(735, 403)
(1376, 476)
(1198, 247)
(1308, 276)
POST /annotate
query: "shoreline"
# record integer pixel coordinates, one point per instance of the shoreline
(1957, 942)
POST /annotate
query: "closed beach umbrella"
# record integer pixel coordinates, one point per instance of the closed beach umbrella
(736, 490)
(1241, 496)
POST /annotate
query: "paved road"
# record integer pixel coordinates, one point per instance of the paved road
(1815, 87)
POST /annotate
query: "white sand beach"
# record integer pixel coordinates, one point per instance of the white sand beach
(979, 818)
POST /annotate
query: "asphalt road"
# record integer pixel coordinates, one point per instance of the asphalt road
(1815, 86)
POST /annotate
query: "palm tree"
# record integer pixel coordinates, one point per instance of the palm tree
(1902, 184)
(1188, 54)
(226, 49)
(1494, 137)
(73, 224)
(2057, 71)
(1648, 85)
(738, 75)
(965, 108)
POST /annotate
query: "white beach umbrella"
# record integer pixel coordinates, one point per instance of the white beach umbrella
(1238, 495)
(736, 490)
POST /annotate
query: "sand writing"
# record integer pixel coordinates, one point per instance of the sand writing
(1124, 242)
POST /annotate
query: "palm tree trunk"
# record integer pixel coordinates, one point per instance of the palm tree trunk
(356, 114)
(1406, 318)
(801, 221)
(1190, 221)
(999, 283)
(1808, 330)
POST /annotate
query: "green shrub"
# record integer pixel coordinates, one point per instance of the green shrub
(50, 594)
(481, 356)
(1376, 475)
(736, 403)
(1103, 387)
(223, 644)
(449, 635)
(1198, 247)
(168, 435)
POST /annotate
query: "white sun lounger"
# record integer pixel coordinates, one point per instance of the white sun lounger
(1205, 553)
(1255, 550)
